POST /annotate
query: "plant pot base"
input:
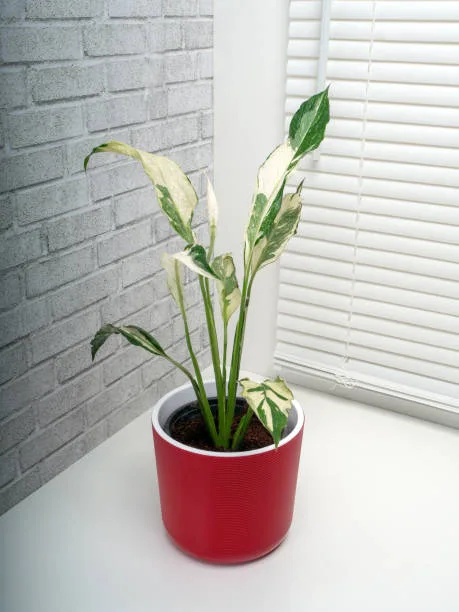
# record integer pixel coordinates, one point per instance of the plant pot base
(227, 561)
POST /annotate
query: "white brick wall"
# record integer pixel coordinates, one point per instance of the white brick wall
(79, 250)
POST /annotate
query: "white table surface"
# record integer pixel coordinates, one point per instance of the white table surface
(376, 528)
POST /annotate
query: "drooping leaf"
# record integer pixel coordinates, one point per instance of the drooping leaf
(195, 258)
(307, 130)
(173, 274)
(228, 290)
(176, 195)
(100, 337)
(212, 211)
(282, 228)
(270, 400)
(135, 335)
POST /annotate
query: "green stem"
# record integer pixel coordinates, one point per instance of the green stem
(237, 353)
(215, 356)
(241, 429)
(184, 370)
(225, 351)
(201, 396)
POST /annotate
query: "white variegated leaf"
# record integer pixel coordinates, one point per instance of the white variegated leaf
(195, 258)
(272, 172)
(271, 176)
(307, 130)
(176, 195)
(212, 211)
(285, 224)
(270, 400)
(173, 274)
(229, 293)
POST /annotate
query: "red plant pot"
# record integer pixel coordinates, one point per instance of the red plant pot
(225, 507)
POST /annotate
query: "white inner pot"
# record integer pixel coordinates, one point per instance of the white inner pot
(179, 397)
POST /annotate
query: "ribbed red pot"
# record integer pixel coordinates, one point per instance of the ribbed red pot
(225, 507)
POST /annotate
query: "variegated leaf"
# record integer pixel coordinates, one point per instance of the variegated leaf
(307, 130)
(270, 400)
(195, 258)
(271, 180)
(212, 210)
(283, 227)
(228, 290)
(135, 335)
(173, 274)
(176, 195)
(307, 127)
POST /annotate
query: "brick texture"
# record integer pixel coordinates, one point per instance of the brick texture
(78, 250)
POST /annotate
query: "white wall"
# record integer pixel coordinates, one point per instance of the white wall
(250, 50)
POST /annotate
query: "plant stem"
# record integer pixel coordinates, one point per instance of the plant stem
(184, 370)
(209, 421)
(215, 356)
(202, 396)
(241, 429)
(225, 350)
(237, 352)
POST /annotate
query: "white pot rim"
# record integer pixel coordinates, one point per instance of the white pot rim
(196, 451)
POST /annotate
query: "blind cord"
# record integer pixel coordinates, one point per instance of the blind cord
(342, 378)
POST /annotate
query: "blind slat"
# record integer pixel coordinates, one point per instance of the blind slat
(382, 336)
(305, 296)
(374, 354)
(398, 374)
(398, 337)
(318, 343)
(402, 296)
(403, 314)
(301, 354)
(392, 10)
(316, 281)
(408, 323)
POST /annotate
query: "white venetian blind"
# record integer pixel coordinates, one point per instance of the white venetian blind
(369, 293)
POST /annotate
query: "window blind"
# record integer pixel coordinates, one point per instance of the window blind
(369, 288)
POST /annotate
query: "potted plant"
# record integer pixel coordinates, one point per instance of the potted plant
(227, 465)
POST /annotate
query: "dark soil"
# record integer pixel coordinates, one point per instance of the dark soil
(187, 426)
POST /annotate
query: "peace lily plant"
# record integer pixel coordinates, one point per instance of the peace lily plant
(272, 222)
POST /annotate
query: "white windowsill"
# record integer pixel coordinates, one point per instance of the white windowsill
(376, 528)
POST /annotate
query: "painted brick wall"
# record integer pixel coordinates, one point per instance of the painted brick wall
(79, 250)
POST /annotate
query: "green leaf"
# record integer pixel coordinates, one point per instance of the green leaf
(212, 211)
(270, 401)
(195, 258)
(135, 335)
(282, 228)
(228, 289)
(307, 127)
(176, 195)
(100, 338)
(307, 130)
(173, 274)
